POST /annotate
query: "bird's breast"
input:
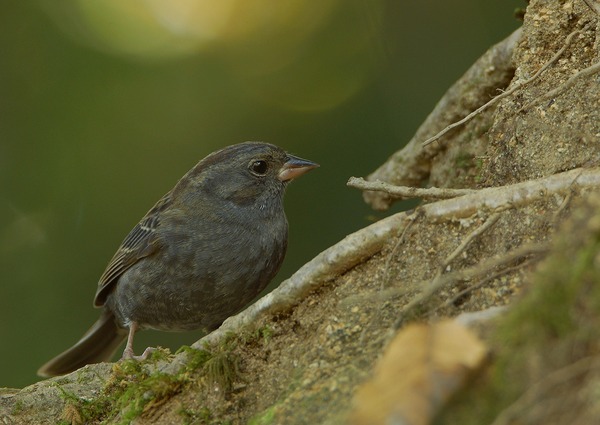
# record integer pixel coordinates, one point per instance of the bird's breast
(202, 274)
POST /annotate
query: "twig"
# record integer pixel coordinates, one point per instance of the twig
(474, 318)
(516, 87)
(503, 197)
(483, 282)
(411, 165)
(490, 264)
(386, 278)
(436, 283)
(553, 379)
(406, 192)
(594, 6)
(590, 70)
(469, 273)
(363, 244)
(561, 207)
(470, 238)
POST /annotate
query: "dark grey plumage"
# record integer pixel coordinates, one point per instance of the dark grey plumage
(203, 252)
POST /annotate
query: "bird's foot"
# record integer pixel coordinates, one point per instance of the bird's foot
(129, 354)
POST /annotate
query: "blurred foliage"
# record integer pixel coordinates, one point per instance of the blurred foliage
(104, 105)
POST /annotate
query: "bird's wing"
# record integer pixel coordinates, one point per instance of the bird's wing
(139, 243)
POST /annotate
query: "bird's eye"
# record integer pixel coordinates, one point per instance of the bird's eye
(259, 167)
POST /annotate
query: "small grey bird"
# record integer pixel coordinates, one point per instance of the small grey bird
(204, 251)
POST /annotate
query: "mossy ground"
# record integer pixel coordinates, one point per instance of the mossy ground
(554, 330)
(311, 359)
(303, 366)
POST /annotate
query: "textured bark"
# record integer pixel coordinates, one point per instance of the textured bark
(304, 349)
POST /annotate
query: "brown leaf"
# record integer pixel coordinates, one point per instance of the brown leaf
(422, 367)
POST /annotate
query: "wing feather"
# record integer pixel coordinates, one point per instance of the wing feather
(139, 243)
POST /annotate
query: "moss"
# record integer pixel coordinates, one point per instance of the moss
(132, 390)
(554, 325)
(266, 417)
(78, 410)
(468, 169)
(200, 416)
(464, 160)
(148, 393)
(195, 358)
(18, 407)
(261, 334)
(222, 369)
(479, 176)
(160, 354)
(266, 333)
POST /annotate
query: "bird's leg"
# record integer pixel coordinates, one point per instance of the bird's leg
(128, 352)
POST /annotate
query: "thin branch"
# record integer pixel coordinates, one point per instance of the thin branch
(388, 261)
(503, 197)
(411, 165)
(470, 273)
(406, 192)
(509, 92)
(363, 244)
(469, 239)
(490, 264)
(471, 319)
(594, 6)
(586, 72)
(467, 202)
(485, 281)
(565, 202)
(437, 281)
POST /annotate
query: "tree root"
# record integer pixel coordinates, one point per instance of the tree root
(363, 244)
(411, 165)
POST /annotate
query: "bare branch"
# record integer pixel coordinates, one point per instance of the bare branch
(406, 192)
(363, 244)
(594, 6)
(586, 72)
(486, 280)
(469, 273)
(437, 281)
(517, 86)
(411, 165)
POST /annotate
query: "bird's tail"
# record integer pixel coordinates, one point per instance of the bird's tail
(97, 345)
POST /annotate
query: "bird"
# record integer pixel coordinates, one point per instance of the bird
(202, 253)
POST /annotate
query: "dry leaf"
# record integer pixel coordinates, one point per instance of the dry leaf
(421, 368)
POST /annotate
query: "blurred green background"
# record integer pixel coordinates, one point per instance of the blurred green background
(104, 105)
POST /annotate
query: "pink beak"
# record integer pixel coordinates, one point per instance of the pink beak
(294, 167)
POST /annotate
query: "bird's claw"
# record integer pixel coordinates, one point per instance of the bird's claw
(129, 354)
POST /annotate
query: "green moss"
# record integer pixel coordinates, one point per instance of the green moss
(222, 369)
(464, 160)
(200, 416)
(78, 410)
(554, 325)
(195, 358)
(478, 161)
(563, 290)
(147, 393)
(266, 333)
(266, 417)
(159, 354)
(131, 390)
(18, 407)
(134, 389)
